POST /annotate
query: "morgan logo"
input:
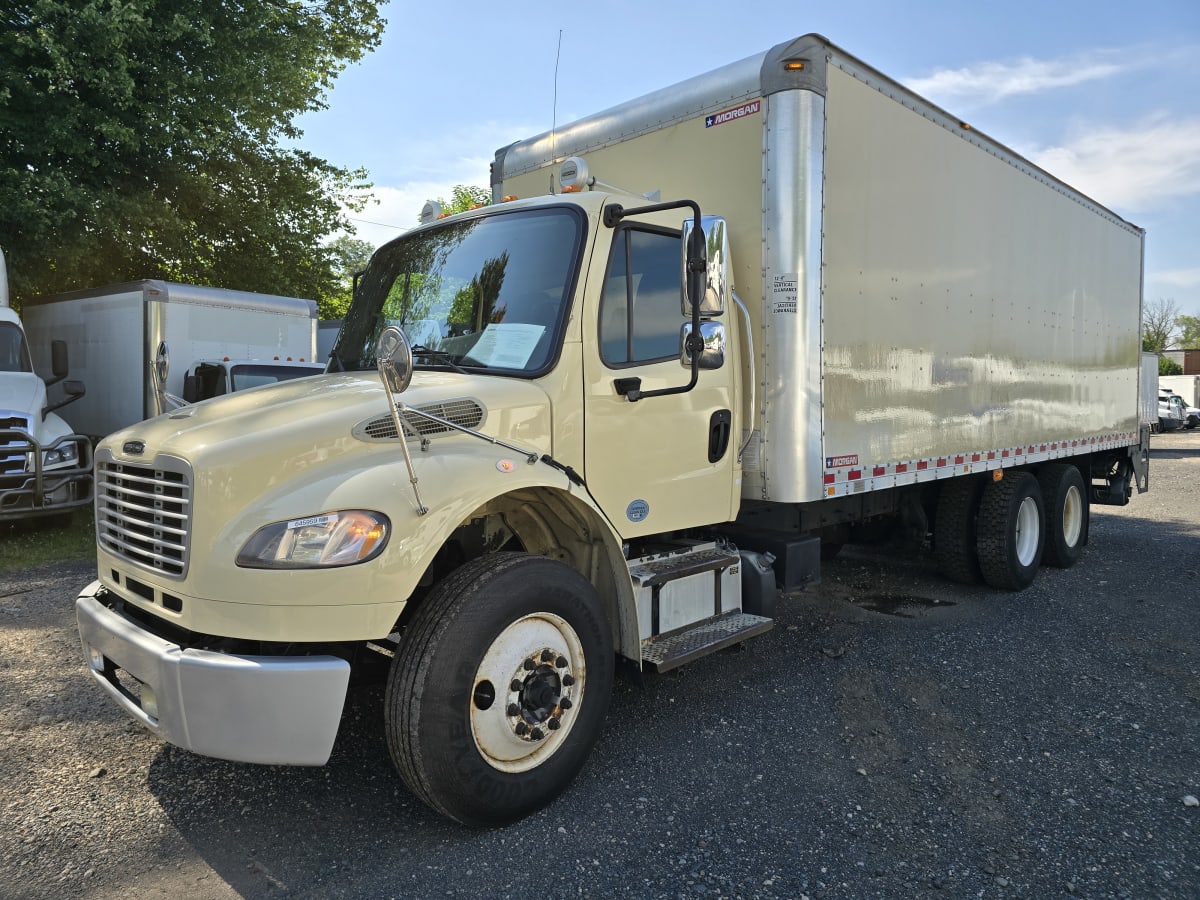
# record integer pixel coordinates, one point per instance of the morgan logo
(134, 448)
(839, 462)
(736, 112)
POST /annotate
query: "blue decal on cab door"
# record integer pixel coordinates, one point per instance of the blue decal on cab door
(637, 510)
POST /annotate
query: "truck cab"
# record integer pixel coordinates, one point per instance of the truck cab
(45, 469)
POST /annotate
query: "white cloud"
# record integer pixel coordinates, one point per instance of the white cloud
(990, 82)
(1182, 278)
(1132, 169)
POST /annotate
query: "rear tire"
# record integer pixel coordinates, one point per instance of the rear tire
(1067, 514)
(954, 539)
(1011, 527)
(499, 688)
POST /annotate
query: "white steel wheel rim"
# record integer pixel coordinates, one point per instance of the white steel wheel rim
(1028, 531)
(518, 715)
(1072, 516)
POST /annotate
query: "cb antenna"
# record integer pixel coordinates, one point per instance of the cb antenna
(554, 110)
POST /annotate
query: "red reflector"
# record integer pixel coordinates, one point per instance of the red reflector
(902, 467)
(854, 474)
(923, 465)
(941, 462)
(879, 470)
(829, 478)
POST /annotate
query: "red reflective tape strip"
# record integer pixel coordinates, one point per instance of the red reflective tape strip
(854, 475)
(829, 476)
(879, 470)
(901, 467)
(923, 464)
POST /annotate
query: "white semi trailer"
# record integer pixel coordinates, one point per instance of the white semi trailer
(695, 336)
(116, 332)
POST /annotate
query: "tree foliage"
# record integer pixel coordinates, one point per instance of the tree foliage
(464, 197)
(350, 255)
(1168, 366)
(1189, 332)
(1158, 325)
(148, 138)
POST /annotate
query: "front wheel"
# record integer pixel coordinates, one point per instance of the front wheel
(499, 688)
(1010, 530)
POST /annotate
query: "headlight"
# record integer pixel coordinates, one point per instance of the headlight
(61, 455)
(341, 538)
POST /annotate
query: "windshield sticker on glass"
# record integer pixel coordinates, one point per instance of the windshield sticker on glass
(506, 346)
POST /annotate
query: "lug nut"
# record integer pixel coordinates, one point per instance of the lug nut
(547, 655)
(516, 685)
(513, 709)
(568, 680)
(536, 734)
(561, 662)
(553, 724)
(522, 728)
(530, 665)
(565, 703)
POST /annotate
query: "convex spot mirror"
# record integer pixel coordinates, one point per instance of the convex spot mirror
(394, 358)
(712, 336)
(718, 280)
(162, 364)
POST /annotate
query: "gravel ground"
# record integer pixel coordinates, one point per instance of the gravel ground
(893, 736)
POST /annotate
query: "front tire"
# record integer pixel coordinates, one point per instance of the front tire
(1066, 503)
(499, 688)
(1011, 526)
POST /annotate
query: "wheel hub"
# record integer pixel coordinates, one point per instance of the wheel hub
(539, 695)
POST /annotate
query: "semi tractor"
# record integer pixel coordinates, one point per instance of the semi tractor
(698, 341)
(45, 467)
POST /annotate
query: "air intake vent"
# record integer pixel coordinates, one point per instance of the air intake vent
(144, 514)
(465, 413)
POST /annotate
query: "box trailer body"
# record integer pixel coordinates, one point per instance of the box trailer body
(761, 313)
(1149, 391)
(114, 334)
(922, 297)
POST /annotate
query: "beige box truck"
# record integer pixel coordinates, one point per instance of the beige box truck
(696, 339)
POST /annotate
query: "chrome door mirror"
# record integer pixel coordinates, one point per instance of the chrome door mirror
(712, 336)
(394, 359)
(718, 278)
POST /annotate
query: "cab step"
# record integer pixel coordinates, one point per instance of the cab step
(667, 651)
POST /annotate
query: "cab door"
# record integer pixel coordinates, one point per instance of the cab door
(662, 463)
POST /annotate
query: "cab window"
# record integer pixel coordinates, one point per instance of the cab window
(640, 308)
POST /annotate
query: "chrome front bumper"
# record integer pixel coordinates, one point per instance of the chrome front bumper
(263, 709)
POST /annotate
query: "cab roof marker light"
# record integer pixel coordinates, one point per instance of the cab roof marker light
(431, 212)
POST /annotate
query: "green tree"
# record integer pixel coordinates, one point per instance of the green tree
(1168, 366)
(1158, 325)
(1189, 331)
(464, 197)
(350, 255)
(150, 138)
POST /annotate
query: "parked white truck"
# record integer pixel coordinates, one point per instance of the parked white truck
(45, 468)
(1187, 388)
(531, 455)
(214, 340)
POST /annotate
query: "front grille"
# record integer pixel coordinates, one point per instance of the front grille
(143, 514)
(465, 413)
(13, 450)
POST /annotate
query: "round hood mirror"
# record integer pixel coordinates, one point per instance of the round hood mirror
(394, 359)
(162, 364)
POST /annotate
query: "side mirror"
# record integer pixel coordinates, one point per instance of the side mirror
(59, 364)
(162, 365)
(393, 356)
(712, 336)
(718, 283)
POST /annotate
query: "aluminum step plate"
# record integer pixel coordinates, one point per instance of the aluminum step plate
(671, 650)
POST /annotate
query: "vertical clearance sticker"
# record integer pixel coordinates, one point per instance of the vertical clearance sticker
(733, 113)
(784, 293)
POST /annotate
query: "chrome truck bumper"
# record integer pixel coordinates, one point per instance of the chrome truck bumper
(260, 709)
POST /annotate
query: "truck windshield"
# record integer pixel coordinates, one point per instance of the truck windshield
(486, 293)
(14, 355)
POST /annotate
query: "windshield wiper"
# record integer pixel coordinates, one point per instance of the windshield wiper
(439, 355)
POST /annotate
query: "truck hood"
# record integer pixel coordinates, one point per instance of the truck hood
(22, 393)
(303, 421)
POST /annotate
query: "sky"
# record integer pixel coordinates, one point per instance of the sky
(1105, 95)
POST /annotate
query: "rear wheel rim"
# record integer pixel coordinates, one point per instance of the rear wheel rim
(1072, 516)
(1027, 531)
